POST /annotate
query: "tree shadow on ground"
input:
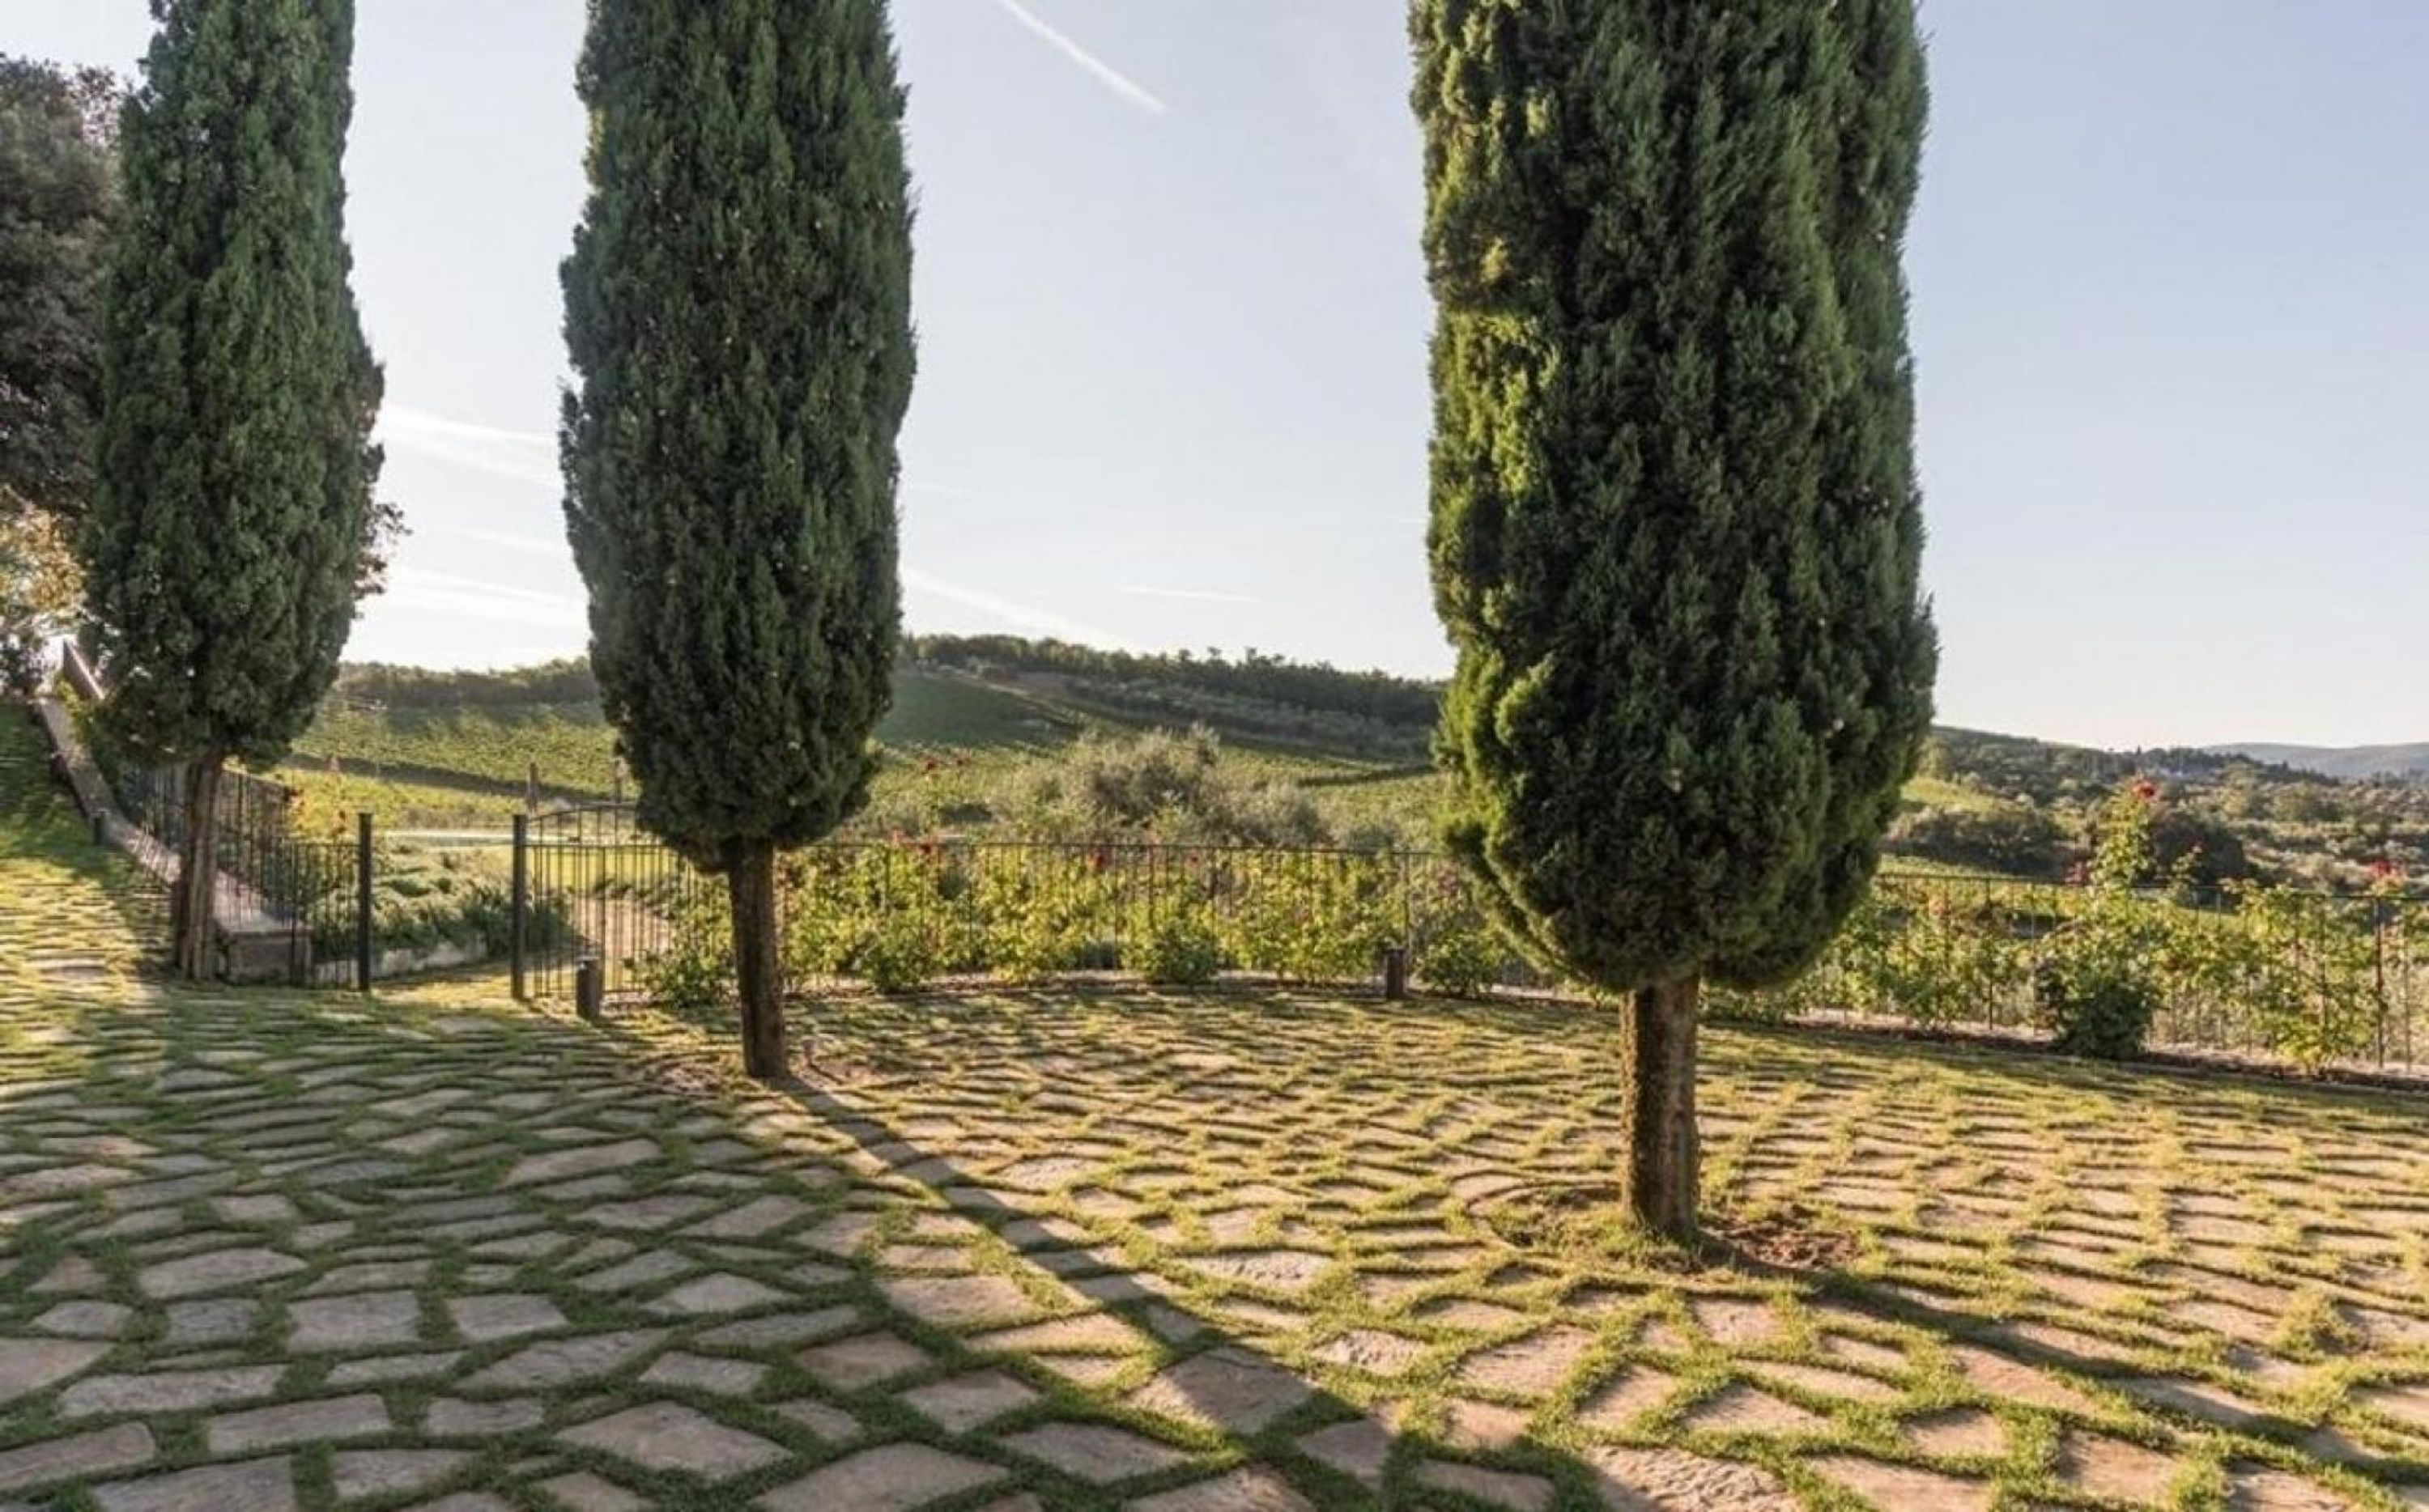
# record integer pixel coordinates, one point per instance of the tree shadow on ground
(1123, 1151)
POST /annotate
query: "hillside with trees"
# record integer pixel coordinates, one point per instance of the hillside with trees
(976, 719)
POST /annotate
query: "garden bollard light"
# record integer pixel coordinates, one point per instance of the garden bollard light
(589, 988)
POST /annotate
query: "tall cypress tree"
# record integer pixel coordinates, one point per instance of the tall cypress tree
(233, 487)
(1676, 529)
(738, 311)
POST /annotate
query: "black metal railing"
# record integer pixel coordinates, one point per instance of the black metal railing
(2319, 978)
(341, 904)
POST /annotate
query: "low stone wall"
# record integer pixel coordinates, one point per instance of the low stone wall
(254, 944)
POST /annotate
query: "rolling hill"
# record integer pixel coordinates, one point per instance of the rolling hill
(2351, 764)
(996, 733)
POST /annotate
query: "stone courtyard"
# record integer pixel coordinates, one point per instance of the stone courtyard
(266, 1249)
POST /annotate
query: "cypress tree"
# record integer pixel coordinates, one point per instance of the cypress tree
(738, 311)
(233, 487)
(1675, 530)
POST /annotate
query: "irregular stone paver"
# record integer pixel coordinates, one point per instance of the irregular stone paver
(967, 1402)
(585, 1493)
(1961, 1431)
(1532, 1366)
(163, 1391)
(2115, 1469)
(359, 1473)
(1094, 1451)
(1745, 1409)
(220, 1271)
(870, 1360)
(1359, 1449)
(77, 1456)
(582, 1160)
(557, 1363)
(455, 1418)
(1673, 1480)
(1514, 1490)
(484, 1320)
(218, 1320)
(326, 1421)
(714, 1295)
(1373, 1351)
(1231, 1390)
(81, 1320)
(666, 1435)
(257, 1486)
(960, 1301)
(1904, 1485)
(1252, 1488)
(701, 1373)
(896, 1478)
(367, 1321)
(31, 1365)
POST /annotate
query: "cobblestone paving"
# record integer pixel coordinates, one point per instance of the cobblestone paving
(266, 1250)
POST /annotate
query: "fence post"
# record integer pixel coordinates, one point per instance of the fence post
(363, 901)
(1395, 973)
(522, 910)
(589, 989)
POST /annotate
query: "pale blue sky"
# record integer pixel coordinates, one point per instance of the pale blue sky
(2167, 309)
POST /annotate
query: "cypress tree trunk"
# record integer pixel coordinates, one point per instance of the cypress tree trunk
(1660, 1177)
(193, 915)
(750, 882)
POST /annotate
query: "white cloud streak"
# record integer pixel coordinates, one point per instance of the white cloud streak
(452, 596)
(1127, 89)
(1018, 615)
(523, 456)
(557, 549)
(1188, 595)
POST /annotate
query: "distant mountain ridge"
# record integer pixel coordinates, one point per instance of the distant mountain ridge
(2345, 763)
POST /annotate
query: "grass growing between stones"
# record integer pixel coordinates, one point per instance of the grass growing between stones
(1129, 1250)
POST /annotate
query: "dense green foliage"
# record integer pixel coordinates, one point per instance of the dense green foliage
(58, 207)
(1676, 529)
(227, 535)
(566, 681)
(737, 310)
(1255, 695)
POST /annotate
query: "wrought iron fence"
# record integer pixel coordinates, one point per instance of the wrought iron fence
(2317, 978)
(333, 909)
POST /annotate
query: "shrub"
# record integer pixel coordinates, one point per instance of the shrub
(1460, 959)
(2097, 986)
(1313, 918)
(694, 973)
(2094, 1001)
(1180, 948)
(2014, 839)
(1044, 912)
(903, 953)
(1173, 787)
